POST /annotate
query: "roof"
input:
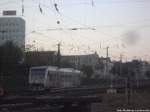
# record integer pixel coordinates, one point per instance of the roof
(56, 68)
(40, 53)
(69, 70)
(46, 67)
(79, 55)
(12, 18)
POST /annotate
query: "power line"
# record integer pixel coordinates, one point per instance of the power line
(76, 21)
(8, 3)
(71, 28)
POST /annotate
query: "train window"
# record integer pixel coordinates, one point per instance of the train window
(49, 75)
(39, 71)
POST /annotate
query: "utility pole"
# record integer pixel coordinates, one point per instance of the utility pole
(121, 57)
(120, 68)
(107, 52)
(128, 86)
(58, 55)
(107, 56)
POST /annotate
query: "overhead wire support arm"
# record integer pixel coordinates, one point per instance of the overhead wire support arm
(71, 28)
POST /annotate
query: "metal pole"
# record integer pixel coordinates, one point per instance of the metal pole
(58, 55)
(107, 51)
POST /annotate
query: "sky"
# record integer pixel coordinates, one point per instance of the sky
(122, 25)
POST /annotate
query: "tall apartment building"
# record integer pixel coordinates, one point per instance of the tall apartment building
(12, 29)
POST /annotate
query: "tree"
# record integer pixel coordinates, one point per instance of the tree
(116, 68)
(13, 70)
(129, 68)
(65, 64)
(40, 58)
(87, 70)
(10, 57)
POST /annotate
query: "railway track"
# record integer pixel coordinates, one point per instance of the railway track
(54, 99)
(45, 102)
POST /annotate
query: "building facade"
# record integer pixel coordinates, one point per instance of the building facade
(41, 58)
(12, 29)
(104, 67)
(79, 60)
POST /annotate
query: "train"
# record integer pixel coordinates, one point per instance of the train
(46, 77)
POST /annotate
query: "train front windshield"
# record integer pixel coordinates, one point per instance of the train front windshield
(39, 71)
(37, 75)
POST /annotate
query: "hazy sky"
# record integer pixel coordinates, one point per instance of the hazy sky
(123, 25)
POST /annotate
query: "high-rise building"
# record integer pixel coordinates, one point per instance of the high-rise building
(12, 29)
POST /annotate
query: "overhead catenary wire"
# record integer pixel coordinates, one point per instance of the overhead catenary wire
(92, 2)
(72, 29)
(40, 8)
(56, 7)
(103, 32)
(39, 33)
(8, 3)
(54, 29)
(76, 29)
(62, 15)
(86, 2)
(69, 18)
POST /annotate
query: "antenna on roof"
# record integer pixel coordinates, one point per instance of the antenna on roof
(107, 52)
(22, 7)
